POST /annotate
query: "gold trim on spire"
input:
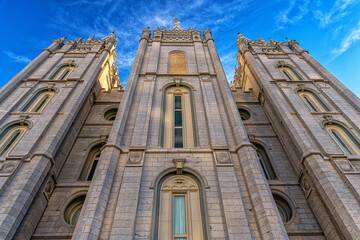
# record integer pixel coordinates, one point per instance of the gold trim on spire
(175, 21)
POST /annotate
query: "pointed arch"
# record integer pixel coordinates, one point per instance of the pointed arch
(62, 72)
(344, 138)
(92, 159)
(289, 72)
(312, 101)
(265, 161)
(38, 101)
(10, 137)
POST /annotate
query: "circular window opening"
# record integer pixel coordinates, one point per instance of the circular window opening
(73, 210)
(244, 114)
(284, 208)
(110, 114)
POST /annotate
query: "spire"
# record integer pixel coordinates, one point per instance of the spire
(176, 24)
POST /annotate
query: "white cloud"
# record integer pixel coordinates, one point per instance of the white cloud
(17, 58)
(348, 41)
(297, 9)
(337, 12)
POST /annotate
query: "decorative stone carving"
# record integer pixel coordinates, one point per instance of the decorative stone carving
(223, 157)
(8, 167)
(305, 183)
(205, 78)
(179, 183)
(328, 118)
(70, 84)
(135, 157)
(29, 84)
(179, 163)
(277, 56)
(49, 187)
(283, 85)
(345, 165)
(271, 47)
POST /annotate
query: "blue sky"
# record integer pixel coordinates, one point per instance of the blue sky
(329, 30)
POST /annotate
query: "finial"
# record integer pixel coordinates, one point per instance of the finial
(113, 32)
(238, 32)
(175, 21)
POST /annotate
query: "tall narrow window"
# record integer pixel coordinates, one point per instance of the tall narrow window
(92, 160)
(348, 143)
(265, 162)
(180, 214)
(62, 73)
(289, 73)
(178, 123)
(10, 137)
(313, 102)
(177, 130)
(39, 101)
(177, 63)
(180, 231)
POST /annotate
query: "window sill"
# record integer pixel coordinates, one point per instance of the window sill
(179, 150)
(27, 113)
(323, 113)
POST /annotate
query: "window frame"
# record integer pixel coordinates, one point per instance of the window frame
(265, 161)
(287, 200)
(62, 72)
(157, 184)
(289, 73)
(91, 157)
(7, 135)
(187, 216)
(34, 103)
(313, 102)
(189, 141)
(66, 205)
(351, 142)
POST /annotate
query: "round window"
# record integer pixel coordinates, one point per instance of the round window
(284, 208)
(73, 210)
(244, 114)
(110, 114)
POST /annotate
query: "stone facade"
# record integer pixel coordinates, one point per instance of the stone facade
(41, 175)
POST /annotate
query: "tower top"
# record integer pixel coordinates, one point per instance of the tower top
(175, 21)
(176, 24)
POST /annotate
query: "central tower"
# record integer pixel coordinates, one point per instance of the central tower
(168, 169)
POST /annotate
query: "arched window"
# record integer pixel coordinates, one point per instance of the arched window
(313, 102)
(348, 143)
(284, 208)
(177, 63)
(91, 162)
(265, 162)
(10, 137)
(289, 73)
(177, 130)
(62, 73)
(73, 210)
(39, 101)
(179, 209)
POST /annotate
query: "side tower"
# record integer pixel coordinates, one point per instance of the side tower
(42, 110)
(316, 121)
